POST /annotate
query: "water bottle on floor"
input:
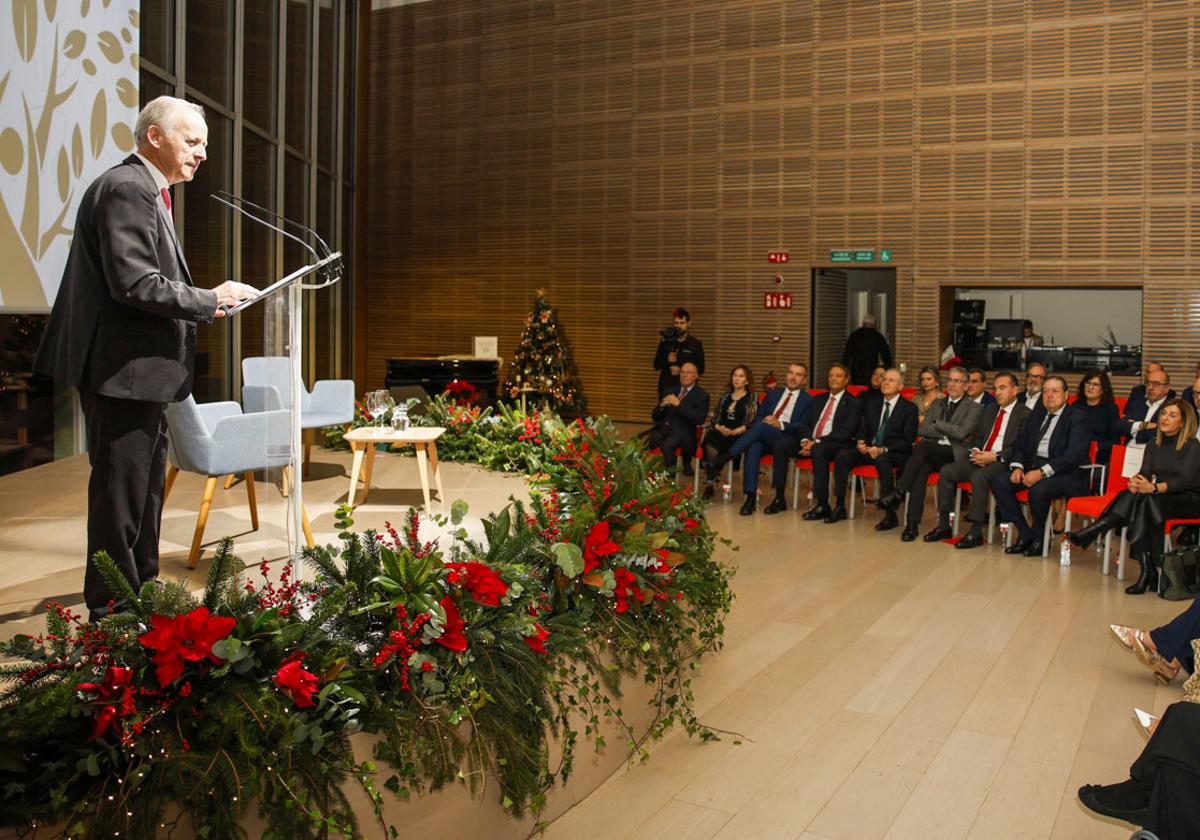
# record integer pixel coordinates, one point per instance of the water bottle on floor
(1064, 553)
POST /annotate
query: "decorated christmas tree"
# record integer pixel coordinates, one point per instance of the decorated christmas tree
(542, 367)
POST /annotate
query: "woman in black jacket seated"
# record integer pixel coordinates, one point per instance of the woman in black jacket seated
(1166, 487)
(733, 415)
(1095, 399)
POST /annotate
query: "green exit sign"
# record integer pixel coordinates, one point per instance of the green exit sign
(864, 256)
(841, 256)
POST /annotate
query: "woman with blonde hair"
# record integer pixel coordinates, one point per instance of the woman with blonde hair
(1166, 487)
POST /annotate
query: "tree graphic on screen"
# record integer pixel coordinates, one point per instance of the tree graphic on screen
(542, 367)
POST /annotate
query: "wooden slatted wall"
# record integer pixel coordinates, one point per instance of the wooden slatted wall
(635, 155)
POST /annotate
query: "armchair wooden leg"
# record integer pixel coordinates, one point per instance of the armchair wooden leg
(309, 436)
(230, 480)
(308, 536)
(172, 474)
(285, 482)
(210, 488)
(250, 497)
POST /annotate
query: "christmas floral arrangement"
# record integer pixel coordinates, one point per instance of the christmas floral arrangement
(402, 665)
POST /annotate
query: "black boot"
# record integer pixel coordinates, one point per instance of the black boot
(1087, 535)
(1147, 579)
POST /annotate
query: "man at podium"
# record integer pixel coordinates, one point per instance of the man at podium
(123, 332)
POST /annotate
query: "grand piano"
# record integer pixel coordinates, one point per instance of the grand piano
(434, 373)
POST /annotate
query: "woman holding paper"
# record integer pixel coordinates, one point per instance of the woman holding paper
(1166, 487)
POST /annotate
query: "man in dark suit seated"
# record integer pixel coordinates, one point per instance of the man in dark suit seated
(1047, 462)
(889, 428)
(1138, 392)
(123, 332)
(829, 427)
(996, 436)
(676, 418)
(779, 417)
(945, 437)
(977, 387)
(1140, 419)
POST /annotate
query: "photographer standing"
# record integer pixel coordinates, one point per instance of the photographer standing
(676, 347)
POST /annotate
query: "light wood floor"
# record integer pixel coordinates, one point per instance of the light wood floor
(882, 689)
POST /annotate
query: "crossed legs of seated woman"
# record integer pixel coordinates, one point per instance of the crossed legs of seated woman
(1166, 487)
(1168, 648)
(1160, 793)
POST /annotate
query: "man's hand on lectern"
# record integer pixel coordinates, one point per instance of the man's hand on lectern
(231, 293)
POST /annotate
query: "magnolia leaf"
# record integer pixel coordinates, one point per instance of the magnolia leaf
(99, 123)
(676, 558)
(64, 174)
(594, 579)
(569, 558)
(635, 529)
(25, 21)
(110, 47)
(74, 43)
(458, 509)
(659, 539)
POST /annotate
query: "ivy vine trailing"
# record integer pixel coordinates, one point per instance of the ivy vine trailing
(401, 666)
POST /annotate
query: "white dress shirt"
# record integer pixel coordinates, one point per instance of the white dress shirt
(1032, 399)
(792, 398)
(1043, 448)
(1005, 416)
(1151, 407)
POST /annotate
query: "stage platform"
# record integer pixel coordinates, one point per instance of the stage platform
(880, 689)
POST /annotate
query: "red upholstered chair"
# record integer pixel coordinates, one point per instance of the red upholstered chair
(855, 390)
(908, 393)
(1092, 506)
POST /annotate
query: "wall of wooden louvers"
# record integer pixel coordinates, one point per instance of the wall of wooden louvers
(631, 156)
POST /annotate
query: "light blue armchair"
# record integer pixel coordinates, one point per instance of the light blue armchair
(217, 439)
(266, 387)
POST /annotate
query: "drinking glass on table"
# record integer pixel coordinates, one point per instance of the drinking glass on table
(377, 405)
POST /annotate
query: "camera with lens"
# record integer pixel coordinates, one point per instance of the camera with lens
(670, 333)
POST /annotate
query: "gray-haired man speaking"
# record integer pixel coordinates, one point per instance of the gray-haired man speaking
(123, 332)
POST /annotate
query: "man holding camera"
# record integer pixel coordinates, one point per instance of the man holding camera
(676, 348)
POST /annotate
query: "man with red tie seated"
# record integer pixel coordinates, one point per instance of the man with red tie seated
(829, 427)
(676, 418)
(889, 428)
(779, 419)
(1047, 463)
(996, 437)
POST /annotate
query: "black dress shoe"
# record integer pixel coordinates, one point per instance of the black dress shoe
(1126, 801)
(1033, 548)
(891, 501)
(938, 534)
(819, 512)
(778, 505)
(889, 521)
(909, 533)
(1017, 548)
(709, 491)
(837, 515)
(971, 540)
(748, 506)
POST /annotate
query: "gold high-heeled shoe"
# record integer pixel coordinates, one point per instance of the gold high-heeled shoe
(1164, 672)
(1124, 635)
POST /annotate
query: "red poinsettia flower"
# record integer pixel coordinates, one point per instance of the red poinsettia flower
(662, 568)
(690, 524)
(597, 545)
(461, 386)
(537, 642)
(295, 682)
(452, 637)
(182, 639)
(626, 588)
(117, 685)
(480, 580)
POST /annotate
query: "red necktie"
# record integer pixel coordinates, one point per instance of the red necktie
(787, 398)
(166, 196)
(995, 431)
(825, 415)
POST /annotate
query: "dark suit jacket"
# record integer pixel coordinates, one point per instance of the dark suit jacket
(987, 399)
(1012, 432)
(1138, 392)
(901, 429)
(846, 419)
(1135, 410)
(1069, 443)
(685, 417)
(123, 324)
(771, 402)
